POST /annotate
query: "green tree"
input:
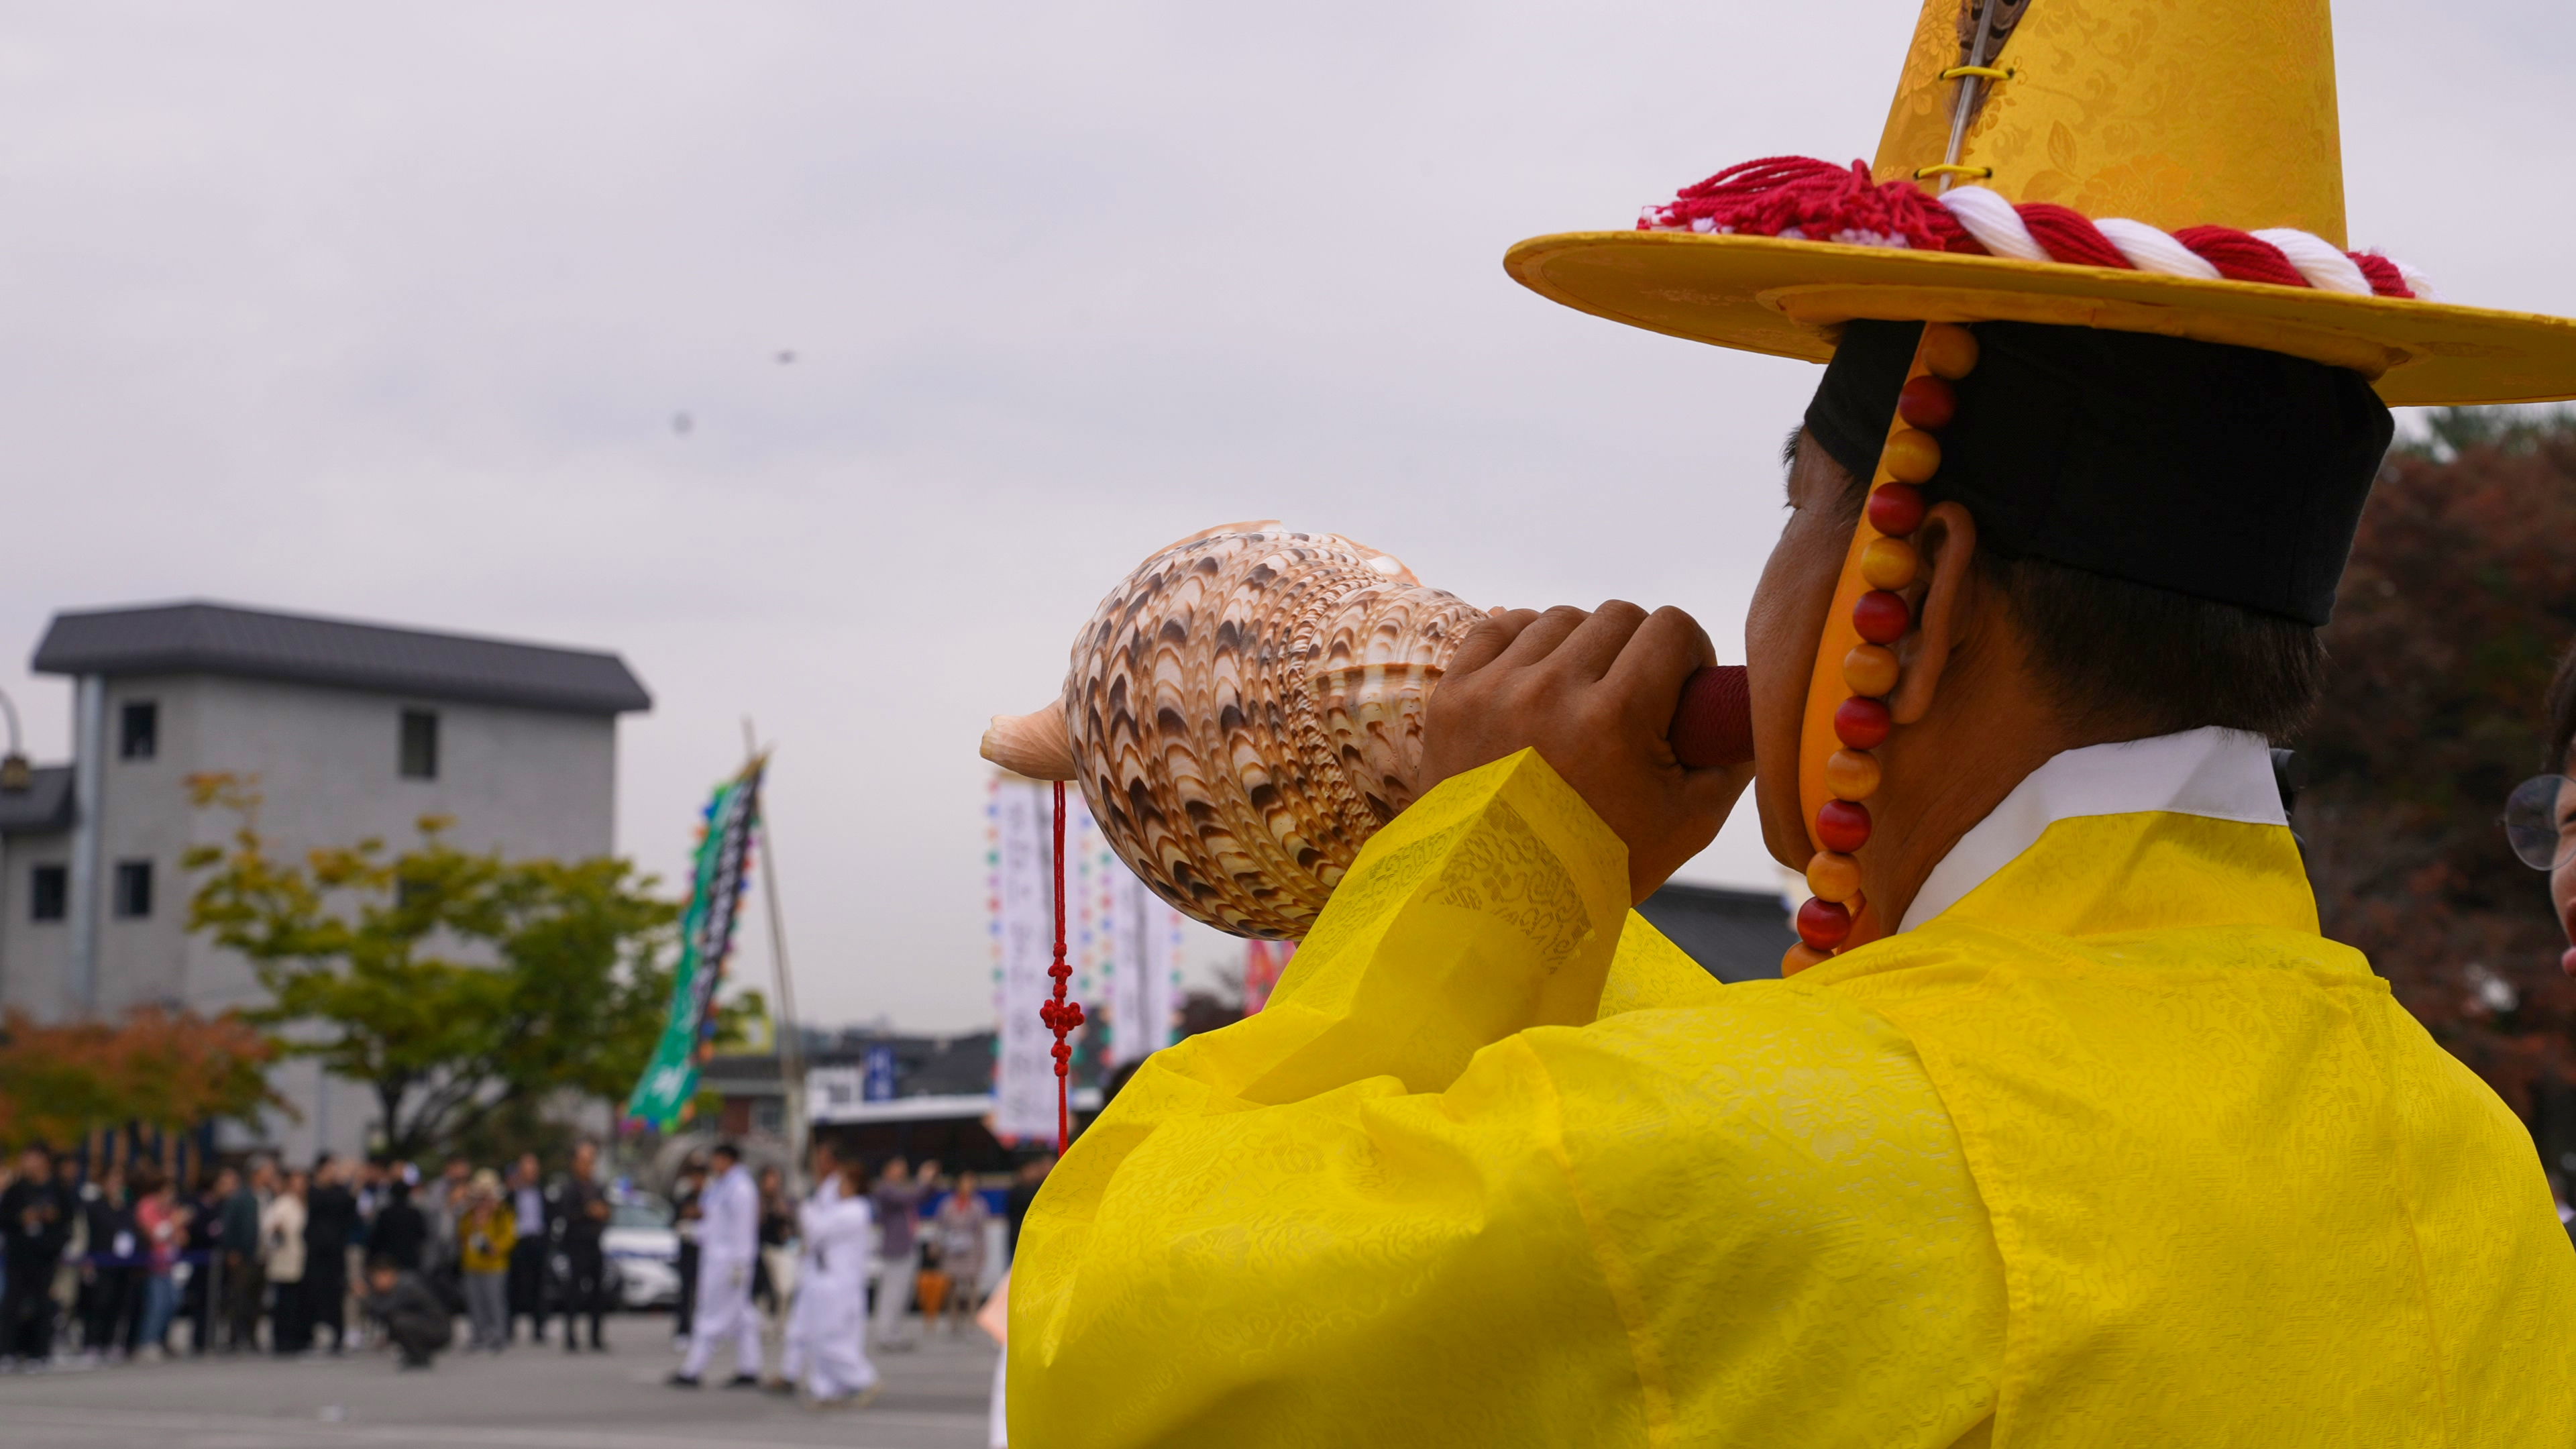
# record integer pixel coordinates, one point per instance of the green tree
(575, 1022)
(462, 988)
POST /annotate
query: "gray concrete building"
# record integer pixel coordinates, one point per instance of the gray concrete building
(346, 731)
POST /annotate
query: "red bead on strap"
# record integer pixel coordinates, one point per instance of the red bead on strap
(1927, 402)
(1060, 1015)
(1843, 825)
(1896, 509)
(1824, 924)
(1881, 617)
(1862, 723)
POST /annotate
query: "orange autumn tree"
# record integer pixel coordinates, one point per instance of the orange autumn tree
(156, 1068)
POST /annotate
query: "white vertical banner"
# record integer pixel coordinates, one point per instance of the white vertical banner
(1023, 904)
(1144, 987)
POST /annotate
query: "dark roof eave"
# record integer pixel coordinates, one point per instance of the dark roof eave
(43, 808)
(369, 681)
(218, 639)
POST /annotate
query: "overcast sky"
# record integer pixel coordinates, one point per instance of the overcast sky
(386, 312)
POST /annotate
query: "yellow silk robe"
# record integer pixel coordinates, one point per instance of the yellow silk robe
(2115, 1150)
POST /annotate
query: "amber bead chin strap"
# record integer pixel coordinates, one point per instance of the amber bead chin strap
(1884, 563)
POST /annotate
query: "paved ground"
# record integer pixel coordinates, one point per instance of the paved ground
(530, 1398)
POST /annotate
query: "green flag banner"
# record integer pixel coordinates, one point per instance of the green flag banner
(664, 1095)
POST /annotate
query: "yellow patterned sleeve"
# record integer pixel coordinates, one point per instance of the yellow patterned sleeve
(1649, 972)
(1493, 905)
(1289, 1222)
(1430, 1197)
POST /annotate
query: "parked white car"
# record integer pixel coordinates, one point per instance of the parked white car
(643, 1251)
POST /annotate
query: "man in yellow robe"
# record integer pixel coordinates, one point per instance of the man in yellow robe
(2098, 1142)
(2116, 1150)
(2109, 1147)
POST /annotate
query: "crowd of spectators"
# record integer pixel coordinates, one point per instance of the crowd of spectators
(271, 1258)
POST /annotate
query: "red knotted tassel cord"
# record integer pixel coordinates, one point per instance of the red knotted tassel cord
(1060, 1015)
(1819, 201)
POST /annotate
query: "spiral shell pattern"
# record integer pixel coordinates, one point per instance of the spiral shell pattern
(1245, 710)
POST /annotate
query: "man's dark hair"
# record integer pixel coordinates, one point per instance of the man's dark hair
(381, 1263)
(725, 1150)
(2130, 660)
(2562, 713)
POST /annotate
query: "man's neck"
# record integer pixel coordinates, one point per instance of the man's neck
(1942, 776)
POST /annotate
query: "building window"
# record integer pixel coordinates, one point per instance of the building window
(133, 889)
(49, 893)
(419, 744)
(138, 730)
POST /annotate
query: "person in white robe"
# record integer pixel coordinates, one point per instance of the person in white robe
(728, 1245)
(827, 1175)
(827, 1328)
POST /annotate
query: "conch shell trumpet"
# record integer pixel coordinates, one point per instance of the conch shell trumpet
(1245, 710)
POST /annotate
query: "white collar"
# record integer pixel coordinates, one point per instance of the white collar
(2223, 774)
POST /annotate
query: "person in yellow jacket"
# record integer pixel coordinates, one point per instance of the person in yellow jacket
(2064, 1126)
(485, 1236)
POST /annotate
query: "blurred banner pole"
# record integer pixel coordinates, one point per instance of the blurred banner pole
(791, 1042)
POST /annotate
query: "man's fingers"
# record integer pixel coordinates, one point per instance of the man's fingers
(1540, 638)
(1487, 639)
(1588, 653)
(1661, 654)
(1709, 796)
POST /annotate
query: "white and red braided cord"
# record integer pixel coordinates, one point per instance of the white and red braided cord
(1799, 198)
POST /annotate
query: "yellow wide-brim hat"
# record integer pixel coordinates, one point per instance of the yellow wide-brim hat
(2185, 114)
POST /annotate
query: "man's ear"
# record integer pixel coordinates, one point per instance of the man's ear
(1945, 609)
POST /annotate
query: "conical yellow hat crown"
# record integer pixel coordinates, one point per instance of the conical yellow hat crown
(2172, 113)
(2176, 113)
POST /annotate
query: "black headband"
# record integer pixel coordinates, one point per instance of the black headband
(2225, 473)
